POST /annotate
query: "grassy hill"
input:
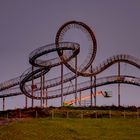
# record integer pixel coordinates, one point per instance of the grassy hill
(71, 129)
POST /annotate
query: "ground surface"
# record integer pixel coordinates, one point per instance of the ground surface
(71, 129)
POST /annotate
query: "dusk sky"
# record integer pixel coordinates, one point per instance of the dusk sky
(28, 24)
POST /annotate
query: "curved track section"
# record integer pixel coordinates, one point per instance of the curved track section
(69, 76)
(125, 79)
(99, 82)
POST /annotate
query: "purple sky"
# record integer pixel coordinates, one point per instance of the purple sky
(28, 24)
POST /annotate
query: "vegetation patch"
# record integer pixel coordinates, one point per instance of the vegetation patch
(71, 129)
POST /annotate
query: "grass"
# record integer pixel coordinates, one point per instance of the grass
(72, 129)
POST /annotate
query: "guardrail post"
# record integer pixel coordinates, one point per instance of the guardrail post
(137, 113)
(67, 114)
(96, 116)
(3, 103)
(124, 115)
(82, 114)
(110, 114)
(7, 116)
(52, 114)
(19, 113)
(36, 114)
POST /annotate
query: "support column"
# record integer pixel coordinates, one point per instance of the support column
(61, 84)
(26, 101)
(45, 93)
(46, 98)
(76, 81)
(32, 87)
(41, 89)
(91, 90)
(95, 90)
(119, 84)
(80, 98)
(3, 103)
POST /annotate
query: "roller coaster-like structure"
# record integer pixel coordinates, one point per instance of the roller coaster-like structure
(33, 84)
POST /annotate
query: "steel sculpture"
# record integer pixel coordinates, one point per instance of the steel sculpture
(66, 52)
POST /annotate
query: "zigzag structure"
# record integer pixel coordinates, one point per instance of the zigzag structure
(32, 82)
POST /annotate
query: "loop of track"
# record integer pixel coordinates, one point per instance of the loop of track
(43, 66)
(90, 36)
